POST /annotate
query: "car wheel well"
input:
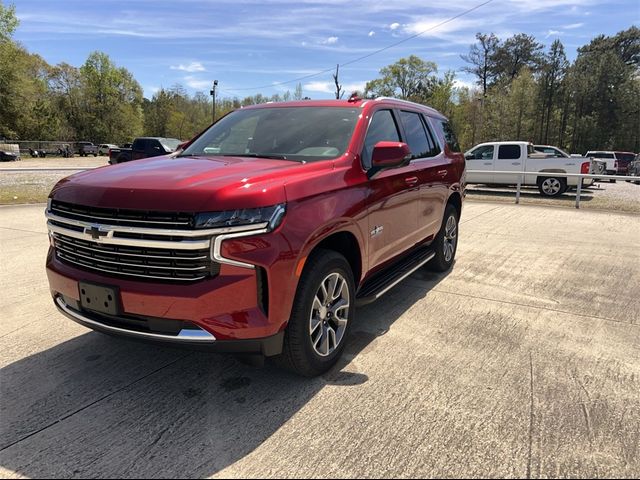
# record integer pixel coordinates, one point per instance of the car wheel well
(456, 200)
(346, 244)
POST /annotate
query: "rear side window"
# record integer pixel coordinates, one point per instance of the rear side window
(381, 129)
(416, 135)
(509, 152)
(449, 135)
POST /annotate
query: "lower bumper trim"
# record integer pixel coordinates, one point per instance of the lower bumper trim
(196, 338)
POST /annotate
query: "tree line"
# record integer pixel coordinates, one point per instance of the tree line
(523, 91)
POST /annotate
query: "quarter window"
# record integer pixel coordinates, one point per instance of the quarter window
(449, 136)
(381, 129)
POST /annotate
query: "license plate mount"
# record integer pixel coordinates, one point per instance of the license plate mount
(99, 298)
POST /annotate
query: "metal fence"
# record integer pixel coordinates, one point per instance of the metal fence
(581, 176)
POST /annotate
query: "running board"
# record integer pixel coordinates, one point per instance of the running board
(381, 283)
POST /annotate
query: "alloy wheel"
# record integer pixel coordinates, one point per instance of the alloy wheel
(329, 314)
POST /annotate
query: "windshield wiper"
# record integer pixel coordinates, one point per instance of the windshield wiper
(270, 156)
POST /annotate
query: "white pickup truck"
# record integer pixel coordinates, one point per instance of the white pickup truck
(517, 157)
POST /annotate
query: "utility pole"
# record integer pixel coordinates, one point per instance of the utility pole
(213, 94)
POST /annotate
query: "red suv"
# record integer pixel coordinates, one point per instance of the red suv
(264, 234)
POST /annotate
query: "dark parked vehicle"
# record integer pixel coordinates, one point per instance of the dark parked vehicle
(144, 147)
(84, 149)
(624, 159)
(8, 155)
(634, 169)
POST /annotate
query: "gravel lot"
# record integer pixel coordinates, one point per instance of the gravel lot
(33, 187)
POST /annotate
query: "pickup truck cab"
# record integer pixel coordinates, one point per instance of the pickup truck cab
(144, 147)
(515, 158)
(264, 234)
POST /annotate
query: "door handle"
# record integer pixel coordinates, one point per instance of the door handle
(442, 173)
(411, 180)
(488, 163)
(515, 163)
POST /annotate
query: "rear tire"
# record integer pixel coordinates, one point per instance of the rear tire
(552, 186)
(319, 325)
(446, 243)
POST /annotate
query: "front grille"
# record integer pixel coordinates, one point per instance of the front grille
(118, 216)
(129, 261)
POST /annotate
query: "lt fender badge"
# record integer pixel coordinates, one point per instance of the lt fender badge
(377, 230)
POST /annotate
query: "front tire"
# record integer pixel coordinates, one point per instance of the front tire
(446, 243)
(321, 316)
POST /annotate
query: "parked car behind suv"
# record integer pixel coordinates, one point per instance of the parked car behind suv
(84, 149)
(264, 234)
(104, 148)
(144, 147)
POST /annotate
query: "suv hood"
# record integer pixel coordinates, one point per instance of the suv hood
(188, 184)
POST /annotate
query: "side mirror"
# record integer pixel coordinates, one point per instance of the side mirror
(468, 156)
(390, 154)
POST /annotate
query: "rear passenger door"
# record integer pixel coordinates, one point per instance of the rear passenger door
(430, 166)
(392, 197)
(510, 158)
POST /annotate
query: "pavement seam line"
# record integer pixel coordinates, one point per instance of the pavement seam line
(535, 306)
(21, 230)
(531, 414)
(480, 215)
(104, 397)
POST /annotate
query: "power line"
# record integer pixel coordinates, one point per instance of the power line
(351, 62)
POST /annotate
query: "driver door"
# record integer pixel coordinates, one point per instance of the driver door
(479, 163)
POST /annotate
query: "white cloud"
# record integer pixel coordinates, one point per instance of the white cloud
(372, 33)
(573, 25)
(197, 83)
(192, 67)
(551, 33)
(330, 41)
(464, 84)
(394, 26)
(330, 87)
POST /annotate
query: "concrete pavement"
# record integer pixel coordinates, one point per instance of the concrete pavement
(523, 361)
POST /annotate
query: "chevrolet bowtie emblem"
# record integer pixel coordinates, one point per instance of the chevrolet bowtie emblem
(96, 232)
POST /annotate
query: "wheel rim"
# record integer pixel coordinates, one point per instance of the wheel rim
(329, 314)
(551, 186)
(450, 238)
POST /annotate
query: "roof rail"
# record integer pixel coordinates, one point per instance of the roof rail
(408, 103)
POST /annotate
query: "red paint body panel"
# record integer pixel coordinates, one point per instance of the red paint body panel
(322, 198)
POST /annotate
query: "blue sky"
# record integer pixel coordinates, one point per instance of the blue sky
(249, 43)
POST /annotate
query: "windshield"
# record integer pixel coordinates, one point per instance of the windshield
(170, 143)
(303, 134)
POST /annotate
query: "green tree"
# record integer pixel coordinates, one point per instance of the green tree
(515, 53)
(481, 58)
(8, 22)
(407, 78)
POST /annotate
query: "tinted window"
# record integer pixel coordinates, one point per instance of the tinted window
(416, 135)
(481, 153)
(449, 136)
(600, 155)
(293, 133)
(508, 152)
(381, 129)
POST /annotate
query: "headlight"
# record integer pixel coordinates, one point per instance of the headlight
(248, 216)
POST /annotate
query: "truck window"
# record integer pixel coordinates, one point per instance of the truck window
(416, 135)
(449, 135)
(481, 153)
(508, 152)
(381, 129)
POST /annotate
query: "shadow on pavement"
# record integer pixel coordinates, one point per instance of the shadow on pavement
(97, 406)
